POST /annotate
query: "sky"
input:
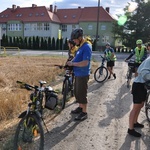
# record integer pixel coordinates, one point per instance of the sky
(116, 6)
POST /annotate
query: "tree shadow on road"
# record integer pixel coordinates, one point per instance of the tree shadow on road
(118, 107)
(57, 134)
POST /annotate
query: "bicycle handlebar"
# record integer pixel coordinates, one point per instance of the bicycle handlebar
(102, 57)
(27, 86)
(130, 61)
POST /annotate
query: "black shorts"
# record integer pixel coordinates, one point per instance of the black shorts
(80, 89)
(110, 63)
(139, 93)
(137, 65)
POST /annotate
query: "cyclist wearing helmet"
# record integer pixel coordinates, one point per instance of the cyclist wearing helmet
(139, 93)
(81, 67)
(111, 58)
(140, 53)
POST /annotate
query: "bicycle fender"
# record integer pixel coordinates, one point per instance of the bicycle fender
(23, 114)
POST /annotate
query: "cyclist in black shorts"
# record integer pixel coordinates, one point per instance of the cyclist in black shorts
(139, 93)
(111, 58)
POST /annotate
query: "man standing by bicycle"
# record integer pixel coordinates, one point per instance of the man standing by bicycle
(140, 53)
(109, 55)
(139, 93)
(81, 67)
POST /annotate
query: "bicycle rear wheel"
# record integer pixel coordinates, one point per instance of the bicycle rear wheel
(29, 134)
(101, 74)
(147, 107)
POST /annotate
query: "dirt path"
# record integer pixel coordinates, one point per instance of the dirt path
(106, 127)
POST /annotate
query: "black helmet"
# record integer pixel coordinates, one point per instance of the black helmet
(76, 33)
(71, 42)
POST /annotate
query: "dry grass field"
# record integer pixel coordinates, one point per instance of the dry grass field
(29, 69)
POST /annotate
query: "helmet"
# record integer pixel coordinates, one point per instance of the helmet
(76, 33)
(139, 42)
(107, 44)
(71, 42)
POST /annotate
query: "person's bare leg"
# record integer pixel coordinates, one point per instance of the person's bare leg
(134, 115)
(110, 70)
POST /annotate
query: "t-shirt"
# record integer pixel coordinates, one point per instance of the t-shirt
(83, 53)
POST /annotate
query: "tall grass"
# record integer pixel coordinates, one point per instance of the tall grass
(26, 69)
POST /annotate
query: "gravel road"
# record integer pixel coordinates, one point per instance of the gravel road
(106, 127)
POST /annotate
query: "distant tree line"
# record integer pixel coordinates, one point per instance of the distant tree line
(34, 43)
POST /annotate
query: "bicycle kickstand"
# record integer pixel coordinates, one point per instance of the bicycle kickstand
(45, 124)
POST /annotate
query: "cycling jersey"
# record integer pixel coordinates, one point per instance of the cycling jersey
(140, 54)
(108, 52)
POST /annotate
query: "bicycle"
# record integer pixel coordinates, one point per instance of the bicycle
(101, 73)
(130, 71)
(68, 84)
(147, 102)
(29, 133)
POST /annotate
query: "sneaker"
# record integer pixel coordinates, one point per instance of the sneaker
(77, 110)
(109, 77)
(114, 75)
(81, 116)
(134, 133)
(138, 125)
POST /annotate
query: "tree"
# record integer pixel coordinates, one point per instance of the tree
(53, 43)
(49, 47)
(137, 24)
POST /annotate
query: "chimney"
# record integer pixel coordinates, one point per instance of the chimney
(18, 6)
(55, 9)
(107, 9)
(51, 8)
(79, 7)
(34, 5)
(13, 7)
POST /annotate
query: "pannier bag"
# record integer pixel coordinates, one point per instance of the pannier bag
(51, 98)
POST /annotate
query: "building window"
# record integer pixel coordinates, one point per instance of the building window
(27, 26)
(33, 27)
(39, 26)
(64, 28)
(105, 39)
(90, 27)
(103, 27)
(14, 27)
(46, 26)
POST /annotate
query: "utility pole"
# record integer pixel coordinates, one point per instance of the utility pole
(97, 31)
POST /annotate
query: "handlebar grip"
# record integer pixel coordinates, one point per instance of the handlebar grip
(20, 82)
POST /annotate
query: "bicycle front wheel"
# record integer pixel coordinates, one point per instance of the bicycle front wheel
(101, 74)
(29, 134)
(65, 93)
(129, 77)
(147, 107)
